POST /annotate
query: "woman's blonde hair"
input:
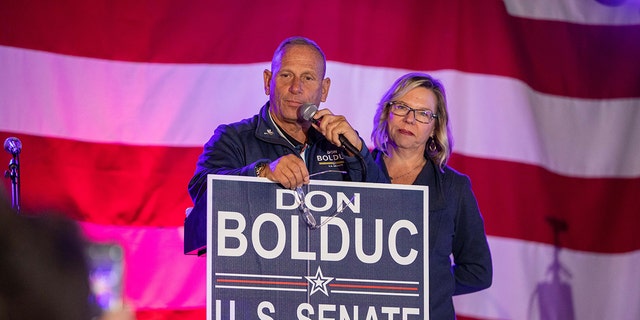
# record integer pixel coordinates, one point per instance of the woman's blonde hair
(440, 145)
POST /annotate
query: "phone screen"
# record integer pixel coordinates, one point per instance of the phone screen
(106, 270)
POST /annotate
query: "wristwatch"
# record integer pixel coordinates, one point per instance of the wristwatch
(260, 168)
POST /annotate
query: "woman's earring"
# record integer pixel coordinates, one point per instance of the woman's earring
(433, 147)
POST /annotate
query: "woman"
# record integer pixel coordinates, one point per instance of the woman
(413, 143)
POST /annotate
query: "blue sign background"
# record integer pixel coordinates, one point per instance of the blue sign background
(270, 283)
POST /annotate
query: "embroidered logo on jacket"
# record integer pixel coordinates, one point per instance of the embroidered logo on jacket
(332, 159)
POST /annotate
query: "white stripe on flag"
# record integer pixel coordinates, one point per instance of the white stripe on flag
(626, 12)
(600, 286)
(153, 255)
(181, 104)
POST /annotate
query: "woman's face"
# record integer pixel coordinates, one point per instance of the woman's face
(407, 133)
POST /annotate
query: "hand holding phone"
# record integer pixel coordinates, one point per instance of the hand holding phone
(106, 275)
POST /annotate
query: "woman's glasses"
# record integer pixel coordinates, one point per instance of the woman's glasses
(401, 109)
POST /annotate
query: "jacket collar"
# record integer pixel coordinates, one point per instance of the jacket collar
(429, 176)
(267, 130)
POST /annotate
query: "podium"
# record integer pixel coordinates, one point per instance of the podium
(368, 260)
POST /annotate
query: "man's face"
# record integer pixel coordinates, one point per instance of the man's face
(297, 79)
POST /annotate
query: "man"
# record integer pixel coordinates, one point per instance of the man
(44, 269)
(276, 143)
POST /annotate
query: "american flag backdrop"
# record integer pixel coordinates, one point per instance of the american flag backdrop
(113, 100)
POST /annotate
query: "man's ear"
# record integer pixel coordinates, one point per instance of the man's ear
(326, 83)
(266, 75)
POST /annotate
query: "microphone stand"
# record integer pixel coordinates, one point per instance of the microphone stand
(13, 173)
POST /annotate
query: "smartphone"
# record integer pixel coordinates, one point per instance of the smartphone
(106, 275)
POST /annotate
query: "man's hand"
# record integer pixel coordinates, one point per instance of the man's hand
(332, 126)
(290, 171)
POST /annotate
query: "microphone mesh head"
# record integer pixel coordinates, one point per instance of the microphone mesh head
(13, 145)
(307, 111)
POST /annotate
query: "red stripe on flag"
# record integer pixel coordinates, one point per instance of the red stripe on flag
(549, 56)
(106, 183)
(158, 314)
(460, 317)
(526, 202)
(142, 185)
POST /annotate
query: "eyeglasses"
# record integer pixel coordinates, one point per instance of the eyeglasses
(306, 214)
(402, 109)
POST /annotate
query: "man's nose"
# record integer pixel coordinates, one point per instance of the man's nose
(296, 85)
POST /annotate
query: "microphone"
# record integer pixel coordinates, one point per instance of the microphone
(308, 110)
(306, 113)
(13, 145)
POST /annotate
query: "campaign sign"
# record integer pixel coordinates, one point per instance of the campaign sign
(366, 256)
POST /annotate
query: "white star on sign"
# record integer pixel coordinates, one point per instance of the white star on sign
(319, 282)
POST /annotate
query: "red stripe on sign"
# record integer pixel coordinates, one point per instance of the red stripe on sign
(549, 56)
(361, 286)
(274, 283)
(527, 202)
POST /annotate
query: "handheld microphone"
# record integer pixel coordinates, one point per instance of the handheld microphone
(308, 110)
(13, 145)
(306, 113)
